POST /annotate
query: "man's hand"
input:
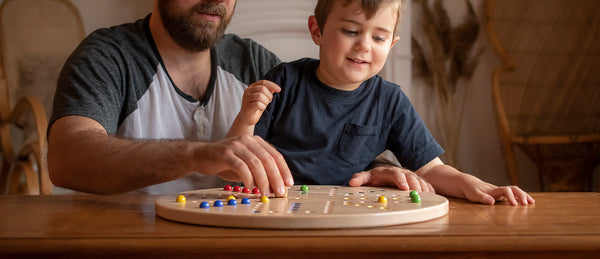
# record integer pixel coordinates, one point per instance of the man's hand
(400, 177)
(245, 158)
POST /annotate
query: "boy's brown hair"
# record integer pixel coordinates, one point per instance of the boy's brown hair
(369, 7)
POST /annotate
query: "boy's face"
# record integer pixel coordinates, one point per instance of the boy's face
(352, 48)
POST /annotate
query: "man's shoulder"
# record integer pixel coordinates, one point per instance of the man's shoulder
(229, 40)
(244, 58)
(130, 37)
(234, 46)
(117, 47)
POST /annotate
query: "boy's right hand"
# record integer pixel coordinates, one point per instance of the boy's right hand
(399, 177)
(256, 99)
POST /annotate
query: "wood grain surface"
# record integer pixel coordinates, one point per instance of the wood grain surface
(558, 225)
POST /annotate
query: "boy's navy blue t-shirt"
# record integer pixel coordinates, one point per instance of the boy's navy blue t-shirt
(326, 135)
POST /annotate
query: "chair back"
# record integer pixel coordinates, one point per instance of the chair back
(549, 82)
(546, 91)
(36, 37)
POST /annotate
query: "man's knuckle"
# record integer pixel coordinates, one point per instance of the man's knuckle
(255, 161)
(238, 165)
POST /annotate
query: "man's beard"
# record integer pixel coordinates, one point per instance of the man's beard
(189, 34)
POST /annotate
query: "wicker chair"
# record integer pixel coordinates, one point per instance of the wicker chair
(36, 37)
(546, 91)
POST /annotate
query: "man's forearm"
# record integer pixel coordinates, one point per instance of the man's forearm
(92, 161)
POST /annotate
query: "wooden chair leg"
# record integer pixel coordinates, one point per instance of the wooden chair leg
(14, 179)
(36, 156)
(28, 186)
(4, 177)
(541, 178)
(32, 180)
(511, 163)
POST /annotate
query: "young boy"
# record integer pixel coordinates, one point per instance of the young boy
(331, 117)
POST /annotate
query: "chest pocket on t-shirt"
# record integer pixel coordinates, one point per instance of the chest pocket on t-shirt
(358, 144)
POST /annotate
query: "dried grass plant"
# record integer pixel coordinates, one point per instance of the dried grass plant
(442, 56)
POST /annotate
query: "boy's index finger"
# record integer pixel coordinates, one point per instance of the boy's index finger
(273, 87)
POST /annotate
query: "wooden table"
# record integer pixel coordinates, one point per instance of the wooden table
(558, 225)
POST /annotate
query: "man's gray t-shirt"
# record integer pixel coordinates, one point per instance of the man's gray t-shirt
(117, 78)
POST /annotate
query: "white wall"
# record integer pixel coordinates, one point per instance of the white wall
(280, 26)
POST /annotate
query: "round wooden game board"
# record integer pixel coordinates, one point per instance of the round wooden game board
(320, 207)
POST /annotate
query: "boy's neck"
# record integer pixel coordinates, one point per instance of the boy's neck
(323, 77)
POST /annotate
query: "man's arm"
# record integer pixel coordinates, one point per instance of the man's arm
(83, 157)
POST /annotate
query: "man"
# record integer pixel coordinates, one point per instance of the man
(160, 78)
(145, 107)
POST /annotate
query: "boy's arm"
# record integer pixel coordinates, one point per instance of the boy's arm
(451, 182)
(256, 99)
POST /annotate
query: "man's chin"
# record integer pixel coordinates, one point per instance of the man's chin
(200, 43)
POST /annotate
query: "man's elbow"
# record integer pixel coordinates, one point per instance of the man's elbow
(56, 168)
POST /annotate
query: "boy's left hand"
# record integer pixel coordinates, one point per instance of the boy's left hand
(487, 193)
(399, 177)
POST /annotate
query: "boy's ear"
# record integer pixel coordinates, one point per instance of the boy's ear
(315, 31)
